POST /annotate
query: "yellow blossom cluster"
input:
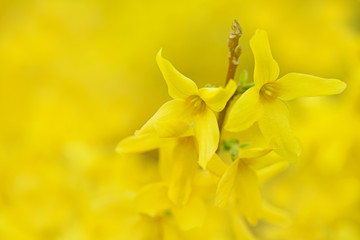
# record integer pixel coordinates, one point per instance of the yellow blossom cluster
(256, 157)
(187, 133)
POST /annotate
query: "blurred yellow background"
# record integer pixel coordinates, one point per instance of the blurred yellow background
(77, 76)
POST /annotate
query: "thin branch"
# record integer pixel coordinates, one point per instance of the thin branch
(234, 54)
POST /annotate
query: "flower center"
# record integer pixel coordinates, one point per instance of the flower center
(196, 104)
(269, 91)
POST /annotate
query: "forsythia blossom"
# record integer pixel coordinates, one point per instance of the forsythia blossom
(241, 180)
(264, 102)
(191, 107)
(186, 132)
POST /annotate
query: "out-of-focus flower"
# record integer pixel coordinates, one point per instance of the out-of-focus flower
(177, 161)
(153, 200)
(241, 181)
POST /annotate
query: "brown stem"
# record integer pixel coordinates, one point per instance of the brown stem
(234, 54)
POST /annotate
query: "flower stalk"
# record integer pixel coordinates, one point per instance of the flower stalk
(234, 54)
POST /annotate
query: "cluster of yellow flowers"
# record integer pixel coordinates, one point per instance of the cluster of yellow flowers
(78, 76)
(205, 169)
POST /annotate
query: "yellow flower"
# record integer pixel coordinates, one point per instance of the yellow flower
(153, 201)
(264, 102)
(190, 107)
(178, 167)
(242, 184)
(177, 161)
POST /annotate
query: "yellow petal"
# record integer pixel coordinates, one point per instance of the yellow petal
(294, 85)
(179, 86)
(216, 166)
(264, 161)
(166, 230)
(139, 143)
(190, 215)
(165, 158)
(163, 120)
(240, 228)
(245, 111)
(216, 98)
(226, 185)
(173, 128)
(207, 135)
(275, 215)
(182, 170)
(274, 125)
(152, 199)
(254, 153)
(248, 196)
(268, 172)
(266, 68)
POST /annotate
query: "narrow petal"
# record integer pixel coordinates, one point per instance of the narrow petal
(173, 128)
(226, 185)
(152, 199)
(294, 85)
(266, 68)
(207, 135)
(268, 172)
(254, 153)
(216, 98)
(248, 196)
(162, 123)
(216, 166)
(245, 111)
(274, 125)
(264, 161)
(179, 86)
(165, 158)
(182, 170)
(190, 215)
(139, 143)
(275, 215)
(240, 228)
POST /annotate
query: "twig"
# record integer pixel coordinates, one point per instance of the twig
(234, 54)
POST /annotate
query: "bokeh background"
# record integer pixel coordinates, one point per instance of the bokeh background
(76, 76)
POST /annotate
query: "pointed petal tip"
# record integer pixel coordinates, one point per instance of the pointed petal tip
(295, 85)
(338, 86)
(159, 55)
(342, 86)
(259, 32)
(119, 149)
(179, 86)
(202, 164)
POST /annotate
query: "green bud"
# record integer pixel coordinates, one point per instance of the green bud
(243, 77)
(247, 86)
(234, 153)
(232, 147)
(244, 145)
